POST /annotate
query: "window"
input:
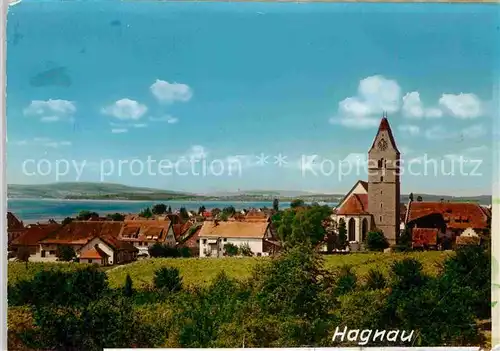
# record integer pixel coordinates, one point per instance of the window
(380, 218)
(204, 241)
(380, 163)
(52, 252)
(381, 205)
(197, 241)
(90, 261)
(225, 239)
(381, 179)
(380, 192)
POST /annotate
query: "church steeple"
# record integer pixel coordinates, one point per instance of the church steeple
(385, 129)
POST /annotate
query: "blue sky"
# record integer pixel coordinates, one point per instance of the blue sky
(92, 81)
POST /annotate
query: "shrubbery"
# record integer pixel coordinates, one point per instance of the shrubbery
(289, 301)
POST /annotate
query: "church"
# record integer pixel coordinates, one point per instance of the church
(375, 204)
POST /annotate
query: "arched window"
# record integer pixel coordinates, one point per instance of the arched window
(352, 229)
(364, 229)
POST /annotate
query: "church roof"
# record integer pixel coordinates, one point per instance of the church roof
(356, 204)
(384, 126)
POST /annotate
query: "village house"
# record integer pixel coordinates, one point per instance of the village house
(449, 219)
(15, 227)
(375, 203)
(145, 233)
(107, 250)
(31, 236)
(191, 240)
(215, 234)
(76, 235)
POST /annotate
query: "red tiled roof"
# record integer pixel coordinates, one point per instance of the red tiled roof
(470, 215)
(384, 126)
(80, 232)
(424, 235)
(34, 233)
(13, 223)
(192, 240)
(356, 204)
(117, 244)
(145, 228)
(94, 253)
(180, 229)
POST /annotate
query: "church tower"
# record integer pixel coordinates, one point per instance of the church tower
(384, 182)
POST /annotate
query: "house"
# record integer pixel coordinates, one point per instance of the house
(375, 203)
(15, 227)
(256, 216)
(191, 240)
(107, 250)
(215, 234)
(31, 235)
(76, 235)
(145, 233)
(452, 219)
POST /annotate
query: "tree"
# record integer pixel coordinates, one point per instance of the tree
(65, 253)
(128, 289)
(297, 203)
(229, 211)
(67, 220)
(342, 237)
(215, 212)
(375, 280)
(146, 213)
(231, 249)
(156, 250)
(183, 213)
(411, 197)
(405, 239)
(245, 250)
(86, 215)
(376, 241)
(201, 210)
(169, 210)
(276, 205)
(117, 217)
(159, 209)
(346, 281)
(168, 279)
(419, 198)
(23, 255)
(223, 216)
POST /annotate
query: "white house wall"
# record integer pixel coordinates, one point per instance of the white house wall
(255, 244)
(108, 250)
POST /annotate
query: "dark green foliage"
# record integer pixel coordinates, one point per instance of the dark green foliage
(146, 213)
(303, 226)
(117, 217)
(67, 220)
(376, 241)
(231, 249)
(229, 211)
(128, 289)
(23, 254)
(168, 279)
(184, 252)
(276, 205)
(66, 253)
(183, 213)
(405, 239)
(201, 210)
(297, 203)
(375, 280)
(162, 250)
(342, 236)
(346, 281)
(159, 209)
(86, 215)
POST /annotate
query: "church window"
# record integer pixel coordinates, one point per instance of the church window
(380, 218)
(381, 179)
(381, 205)
(380, 163)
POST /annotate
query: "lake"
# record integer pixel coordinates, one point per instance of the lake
(33, 210)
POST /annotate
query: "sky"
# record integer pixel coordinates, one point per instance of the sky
(208, 97)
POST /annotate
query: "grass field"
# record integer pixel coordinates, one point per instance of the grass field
(200, 271)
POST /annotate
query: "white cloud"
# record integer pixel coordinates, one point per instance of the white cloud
(169, 119)
(51, 110)
(414, 108)
(56, 144)
(196, 152)
(471, 153)
(119, 130)
(139, 125)
(170, 92)
(462, 106)
(471, 132)
(409, 129)
(376, 94)
(125, 109)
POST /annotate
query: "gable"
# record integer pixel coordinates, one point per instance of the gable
(360, 188)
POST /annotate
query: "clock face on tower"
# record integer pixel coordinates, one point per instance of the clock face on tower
(382, 144)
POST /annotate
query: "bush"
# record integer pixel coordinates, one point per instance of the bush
(346, 281)
(168, 279)
(231, 249)
(376, 241)
(66, 253)
(128, 289)
(245, 250)
(375, 280)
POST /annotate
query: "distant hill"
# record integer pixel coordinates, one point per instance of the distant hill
(111, 191)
